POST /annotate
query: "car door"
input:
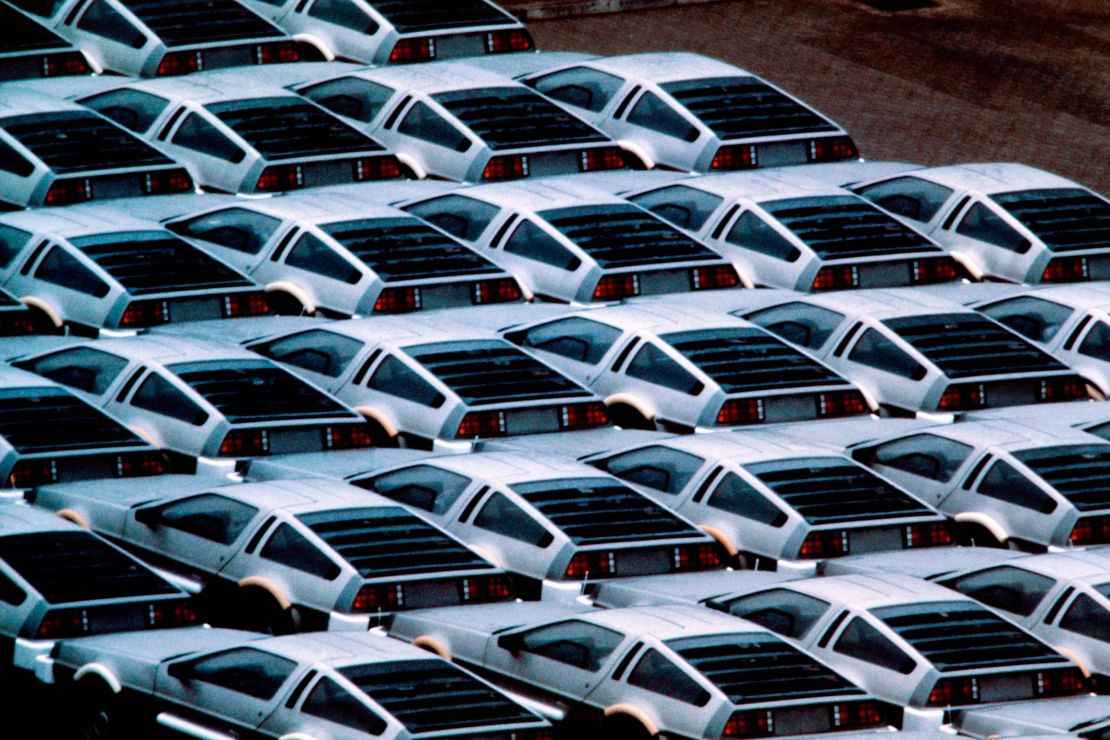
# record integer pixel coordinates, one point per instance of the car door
(436, 143)
(668, 134)
(996, 242)
(218, 160)
(877, 363)
(664, 384)
(326, 276)
(546, 266)
(1080, 625)
(345, 27)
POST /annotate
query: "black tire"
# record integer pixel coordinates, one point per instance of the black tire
(258, 611)
(624, 727)
(98, 715)
(969, 534)
(379, 437)
(627, 417)
(285, 304)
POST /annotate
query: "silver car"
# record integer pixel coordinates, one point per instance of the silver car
(1093, 418)
(1005, 221)
(569, 242)
(148, 37)
(57, 153)
(1083, 716)
(450, 120)
(637, 673)
(30, 50)
(304, 554)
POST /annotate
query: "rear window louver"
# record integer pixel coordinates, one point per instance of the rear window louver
(385, 542)
(487, 372)
(156, 264)
(434, 696)
(253, 392)
(846, 227)
(745, 360)
(21, 34)
(7, 300)
(740, 107)
(513, 118)
(625, 236)
(592, 512)
(184, 22)
(67, 567)
(754, 668)
(827, 490)
(45, 420)
(80, 142)
(1065, 219)
(964, 345)
(1081, 473)
(406, 249)
(410, 16)
(281, 128)
(955, 636)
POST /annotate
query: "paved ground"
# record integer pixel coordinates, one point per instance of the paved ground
(969, 80)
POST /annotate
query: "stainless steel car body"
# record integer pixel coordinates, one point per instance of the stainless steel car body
(1090, 417)
(1085, 716)
(30, 50)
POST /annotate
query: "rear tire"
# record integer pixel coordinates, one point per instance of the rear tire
(627, 417)
(258, 611)
(977, 535)
(284, 304)
(624, 727)
(98, 716)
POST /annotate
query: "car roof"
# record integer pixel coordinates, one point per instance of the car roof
(541, 194)
(204, 92)
(1072, 413)
(661, 318)
(171, 349)
(1091, 565)
(322, 207)
(410, 330)
(514, 467)
(576, 444)
(525, 65)
(668, 66)
(848, 173)
(100, 218)
(378, 192)
(18, 100)
(1067, 713)
(162, 208)
(1082, 296)
(70, 87)
(670, 621)
(436, 77)
(277, 75)
(18, 518)
(239, 330)
(843, 433)
(765, 185)
(872, 591)
(994, 177)
(885, 303)
(683, 587)
(337, 649)
(746, 447)
(927, 563)
(1016, 434)
(336, 463)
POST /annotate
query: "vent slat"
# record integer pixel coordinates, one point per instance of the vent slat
(1065, 219)
(846, 226)
(146, 263)
(43, 420)
(516, 118)
(184, 22)
(1081, 473)
(74, 141)
(413, 16)
(740, 107)
(250, 392)
(281, 128)
(618, 235)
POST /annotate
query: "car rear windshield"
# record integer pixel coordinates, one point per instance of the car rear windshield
(485, 372)
(744, 360)
(21, 34)
(758, 667)
(617, 235)
(407, 249)
(1081, 473)
(281, 128)
(152, 262)
(389, 541)
(595, 510)
(846, 227)
(827, 489)
(739, 107)
(956, 636)
(254, 391)
(513, 118)
(965, 345)
(428, 695)
(1064, 219)
(73, 141)
(66, 567)
(183, 22)
(45, 420)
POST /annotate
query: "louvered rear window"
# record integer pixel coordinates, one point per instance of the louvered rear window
(256, 391)
(281, 128)
(183, 22)
(1081, 473)
(73, 141)
(515, 117)
(1064, 219)
(45, 420)
(739, 107)
(21, 34)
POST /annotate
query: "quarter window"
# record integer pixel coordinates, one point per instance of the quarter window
(162, 397)
(131, 109)
(532, 242)
(909, 197)
(652, 112)
(235, 228)
(576, 339)
(985, 225)
(89, 370)
(657, 467)
(1005, 483)
(423, 123)
(925, 455)
(578, 644)
(244, 670)
(752, 232)
(424, 487)
(209, 516)
(352, 97)
(686, 208)
(579, 86)
(780, 610)
(652, 365)
(199, 135)
(735, 496)
(61, 268)
(1087, 617)
(862, 641)
(313, 254)
(102, 19)
(659, 675)
(799, 323)
(1097, 342)
(1034, 318)
(458, 215)
(1015, 590)
(290, 548)
(877, 351)
(395, 378)
(330, 701)
(322, 352)
(502, 516)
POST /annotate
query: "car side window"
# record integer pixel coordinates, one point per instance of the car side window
(330, 701)
(578, 339)
(202, 136)
(1014, 590)
(102, 19)
(501, 515)
(652, 365)
(209, 516)
(61, 268)
(734, 495)
(652, 112)
(352, 97)
(686, 208)
(423, 123)
(290, 548)
(532, 242)
(1097, 342)
(244, 670)
(10, 591)
(655, 673)
(1034, 318)
(162, 397)
(656, 467)
(1087, 617)
(752, 232)
(908, 196)
(344, 13)
(313, 254)
(575, 643)
(319, 351)
(458, 215)
(41, 8)
(579, 86)
(424, 487)
(780, 610)
(924, 455)
(235, 228)
(131, 109)
(1005, 483)
(981, 223)
(862, 641)
(89, 370)
(13, 162)
(877, 351)
(799, 323)
(395, 378)
(12, 242)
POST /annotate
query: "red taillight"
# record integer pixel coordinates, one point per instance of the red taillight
(842, 403)
(950, 692)
(586, 565)
(501, 42)
(377, 168)
(58, 65)
(1091, 530)
(383, 597)
(962, 397)
(279, 52)
(508, 167)
(172, 614)
(737, 157)
(582, 416)
(63, 623)
(940, 270)
(413, 50)
(832, 149)
(1059, 683)
(245, 304)
(180, 63)
(712, 278)
(398, 300)
(245, 442)
(839, 277)
(1066, 270)
(858, 714)
(486, 589)
(934, 534)
(827, 544)
(482, 424)
(165, 182)
(145, 313)
(615, 287)
(64, 192)
(140, 465)
(756, 723)
(347, 437)
(1063, 389)
(741, 411)
(696, 557)
(30, 473)
(283, 177)
(607, 158)
(496, 291)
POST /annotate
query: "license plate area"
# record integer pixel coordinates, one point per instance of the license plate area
(532, 421)
(644, 562)
(430, 594)
(790, 408)
(196, 309)
(872, 540)
(664, 281)
(773, 155)
(295, 440)
(1007, 687)
(553, 163)
(885, 274)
